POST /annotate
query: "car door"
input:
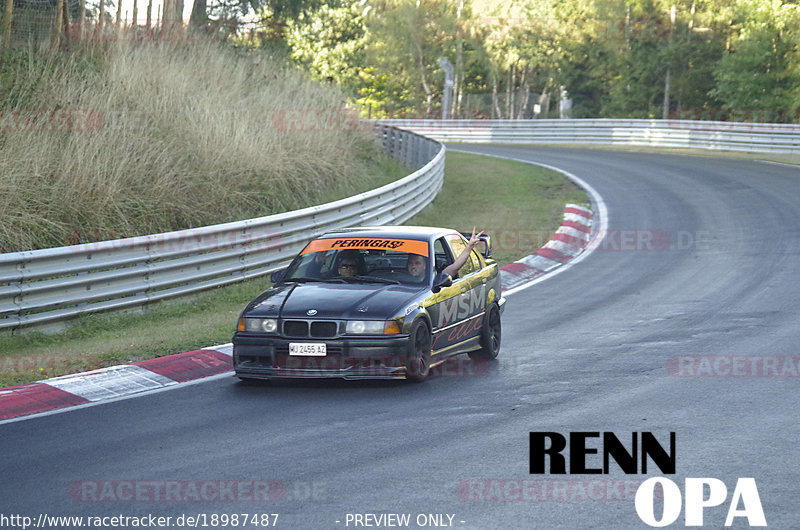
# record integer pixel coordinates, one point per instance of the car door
(457, 310)
(472, 289)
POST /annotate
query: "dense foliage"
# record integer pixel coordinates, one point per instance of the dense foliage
(703, 59)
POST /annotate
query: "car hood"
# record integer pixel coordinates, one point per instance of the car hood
(334, 300)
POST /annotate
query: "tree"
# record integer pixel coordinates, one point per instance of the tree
(407, 38)
(274, 13)
(644, 58)
(760, 71)
(523, 45)
(331, 42)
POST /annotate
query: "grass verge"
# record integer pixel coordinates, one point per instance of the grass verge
(520, 206)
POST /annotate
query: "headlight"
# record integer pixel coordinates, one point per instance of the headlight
(372, 327)
(259, 325)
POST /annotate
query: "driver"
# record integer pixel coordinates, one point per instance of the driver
(349, 262)
(416, 266)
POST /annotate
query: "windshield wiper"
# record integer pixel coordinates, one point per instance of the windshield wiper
(369, 279)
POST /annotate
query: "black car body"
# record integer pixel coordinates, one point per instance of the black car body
(348, 307)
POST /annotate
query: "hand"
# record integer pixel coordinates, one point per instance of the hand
(473, 239)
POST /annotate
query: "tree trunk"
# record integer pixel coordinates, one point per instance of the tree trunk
(459, 77)
(55, 37)
(544, 98)
(101, 19)
(424, 79)
(512, 81)
(665, 110)
(119, 14)
(81, 19)
(9, 11)
(167, 15)
(65, 22)
(495, 100)
(199, 16)
(526, 96)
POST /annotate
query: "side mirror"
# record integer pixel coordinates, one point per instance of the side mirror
(442, 280)
(277, 276)
(487, 250)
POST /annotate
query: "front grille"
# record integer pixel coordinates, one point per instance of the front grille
(321, 329)
(295, 328)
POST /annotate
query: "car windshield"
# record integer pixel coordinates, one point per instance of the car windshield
(361, 265)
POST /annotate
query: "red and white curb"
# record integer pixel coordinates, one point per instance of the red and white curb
(568, 242)
(113, 383)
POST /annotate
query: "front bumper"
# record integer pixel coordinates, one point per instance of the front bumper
(260, 357)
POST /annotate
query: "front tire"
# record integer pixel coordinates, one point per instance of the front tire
(419, 352)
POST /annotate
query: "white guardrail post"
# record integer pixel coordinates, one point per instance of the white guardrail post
(51, 285)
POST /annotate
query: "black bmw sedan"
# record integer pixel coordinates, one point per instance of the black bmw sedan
(378, 302)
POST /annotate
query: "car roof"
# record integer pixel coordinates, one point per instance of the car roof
(422, 233)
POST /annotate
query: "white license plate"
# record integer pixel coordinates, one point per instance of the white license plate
(314, 349)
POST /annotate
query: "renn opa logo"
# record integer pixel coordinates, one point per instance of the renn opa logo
(586, 458)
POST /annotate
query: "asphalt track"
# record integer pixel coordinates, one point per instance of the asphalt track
(714, 273)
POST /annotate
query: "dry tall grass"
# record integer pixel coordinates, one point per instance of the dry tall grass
(189, 135)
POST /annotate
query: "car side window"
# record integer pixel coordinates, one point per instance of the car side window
(441, 255)
(457, 244)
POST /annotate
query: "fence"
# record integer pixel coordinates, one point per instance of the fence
(56, 23)
(689, 134)
(51, 285)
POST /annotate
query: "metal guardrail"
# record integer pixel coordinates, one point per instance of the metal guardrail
(51, 285)
(687, 134)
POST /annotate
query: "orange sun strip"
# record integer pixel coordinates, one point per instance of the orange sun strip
(400, 245)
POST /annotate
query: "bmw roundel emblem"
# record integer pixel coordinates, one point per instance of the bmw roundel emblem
(311, 312)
